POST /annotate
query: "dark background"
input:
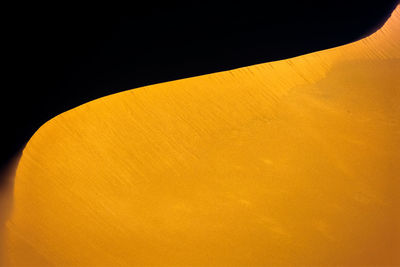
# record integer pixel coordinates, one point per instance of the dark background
(56, 58)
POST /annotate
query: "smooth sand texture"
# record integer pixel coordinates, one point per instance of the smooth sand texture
(294, 162)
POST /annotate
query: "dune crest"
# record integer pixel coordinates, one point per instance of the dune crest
(293, 162)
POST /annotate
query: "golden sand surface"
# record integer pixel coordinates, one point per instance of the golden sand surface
(293, 162)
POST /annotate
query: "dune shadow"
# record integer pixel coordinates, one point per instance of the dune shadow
(7, 176)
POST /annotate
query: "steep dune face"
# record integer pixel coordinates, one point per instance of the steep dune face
(293, 162)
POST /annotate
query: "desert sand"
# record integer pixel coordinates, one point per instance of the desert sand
(293, 162)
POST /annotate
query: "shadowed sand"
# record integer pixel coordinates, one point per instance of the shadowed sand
(293, 162)
(7, 176)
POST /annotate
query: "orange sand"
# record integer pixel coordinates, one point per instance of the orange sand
(294, 162)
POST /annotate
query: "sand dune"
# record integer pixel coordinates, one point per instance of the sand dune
(293, 162)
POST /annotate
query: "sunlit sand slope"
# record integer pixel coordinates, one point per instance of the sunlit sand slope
(294, 162)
